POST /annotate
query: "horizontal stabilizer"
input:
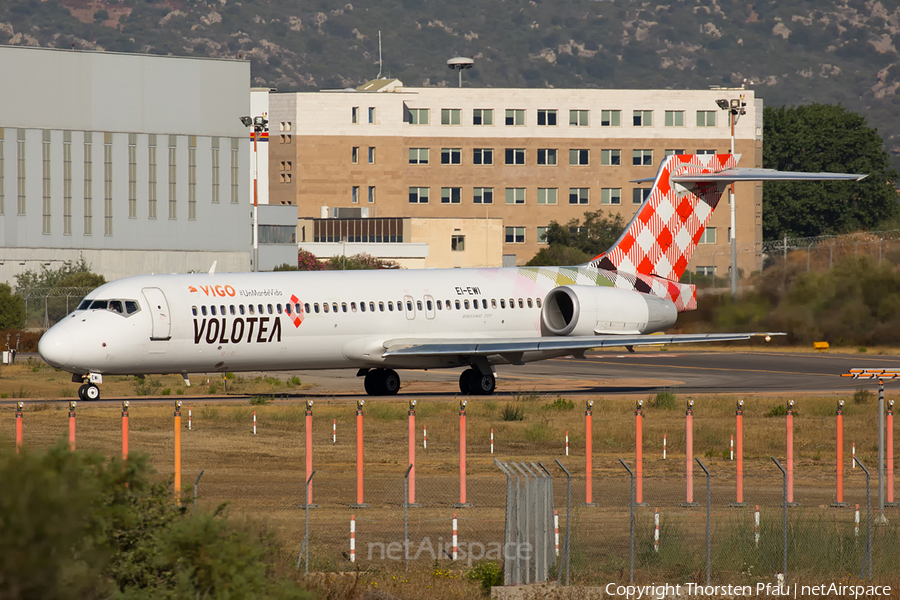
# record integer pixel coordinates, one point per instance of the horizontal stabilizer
(766, 175)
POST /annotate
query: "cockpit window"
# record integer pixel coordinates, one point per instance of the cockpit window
(116, 306)
(123, 307)
(99, 304)
(85, 304)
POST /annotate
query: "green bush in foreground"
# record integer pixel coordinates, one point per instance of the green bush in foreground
(73, 525)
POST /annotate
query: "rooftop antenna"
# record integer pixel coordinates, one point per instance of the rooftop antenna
(460, 63)
(379, 55)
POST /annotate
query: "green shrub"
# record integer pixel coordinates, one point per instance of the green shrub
(539, 433)
(146, 386)
(664, 400)
(560, 404)
(488, 573)
(513, 412)
(862, 396)
(780, 410)
(167, 392)
(259, 400)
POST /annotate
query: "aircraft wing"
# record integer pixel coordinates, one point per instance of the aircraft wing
(512, 346)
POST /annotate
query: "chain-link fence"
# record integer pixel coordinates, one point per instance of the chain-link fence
(45, 306)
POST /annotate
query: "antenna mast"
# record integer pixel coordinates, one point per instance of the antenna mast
(379, 55)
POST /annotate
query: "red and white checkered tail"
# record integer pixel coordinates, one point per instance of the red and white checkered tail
(664, 233)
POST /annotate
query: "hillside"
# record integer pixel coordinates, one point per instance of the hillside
(791, 52)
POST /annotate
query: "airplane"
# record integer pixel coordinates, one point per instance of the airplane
(381, 321)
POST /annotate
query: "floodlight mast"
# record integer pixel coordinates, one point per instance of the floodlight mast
(259, 124)
(460, 63)
(735, 108)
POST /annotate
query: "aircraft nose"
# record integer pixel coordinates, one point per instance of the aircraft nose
(56, 346)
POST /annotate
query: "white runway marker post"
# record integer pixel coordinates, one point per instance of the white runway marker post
(254, 422)
(189, 417)
(352, 538)
(664, 446)
(454, 536)
(334, 431)
(492, 440)
(656, 530)
(756, 526)
(567, 443)
(556, 529)
(424, 437)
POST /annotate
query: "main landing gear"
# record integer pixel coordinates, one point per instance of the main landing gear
(89, 391)
(382, 382)
(472, 381)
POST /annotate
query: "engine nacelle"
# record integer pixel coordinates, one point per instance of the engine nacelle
(592, 310)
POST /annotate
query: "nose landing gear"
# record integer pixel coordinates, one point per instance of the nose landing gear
(88, 389)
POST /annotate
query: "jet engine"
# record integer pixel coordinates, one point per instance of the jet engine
(592, 310)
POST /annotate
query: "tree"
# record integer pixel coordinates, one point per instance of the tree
(63, 287)
(307, 261)
(359, 262)
(558, 255)
(824, 137)
(12, 308)
(595, 235)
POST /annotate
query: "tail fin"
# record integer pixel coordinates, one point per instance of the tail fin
(664, 233)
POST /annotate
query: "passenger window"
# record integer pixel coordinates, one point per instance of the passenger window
(429, 305)
(230, 309)
(466, 303)
(252, 309)
(529, 303)
(353, 306)
(269, 306)
(381, 306)
(483, 303)
(241, 308)
(203, 310)
(502, 303)
(419, 304)
(538, 300)
(334, 307)
(372, 306)
(493, 303)
(512, 303)
(362, 306)
(278, 308)
(212, 310)
(260, 307)
(287, 309)
(99, 304)
(316, 307)
(439, 305)
(297, 308)
(521, 304)
(324, 307)
(343, 306)
(306, 307)
(390, 306)
(409, 305)
(222, 310)
(194, 310)
(457, 305)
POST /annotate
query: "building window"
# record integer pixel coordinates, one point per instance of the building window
(457, 243)
(579, 118)
(354, 194)
(610, 118)
(483, 156)
(418, 195)
(729, 236)
(214, 159)
(371, 194)
(371, 155)
(546, 156)
(151, 176)
(483, 195)
(639, 195)
(547, 195)
(579, 195)
(354, 154)
(515, 116)
(483, 116)
(706, 271)
(20, 172)
(418, 116)
(642, 158)
(285, 138)
(674, 118)
(542, 235)
(67, 180)
(708, 236)
(611, 196)
(642, 118)
(546, 117)
(354, 114)
(451, 195)
(235, 172)
(610, 158)
(515, 195)
(515, 156)
(451, 116)
(706, 118)
(88, 184)
(418, 156)
(372, 115)
(706, 152)
(674, 152)
(451, 156)
(173, 177)
(45, 182)
(285, 167)
(515, 235)
(192, 178)
(107, 184)
(132, 176)
(579, 157)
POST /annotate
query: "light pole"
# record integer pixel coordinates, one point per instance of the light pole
(259, 124)
(735, 108)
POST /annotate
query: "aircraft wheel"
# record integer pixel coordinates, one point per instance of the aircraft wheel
(390, 382)
(81, 391)
(371, 382)
(92, 392)
(482, 385)
(465, 387)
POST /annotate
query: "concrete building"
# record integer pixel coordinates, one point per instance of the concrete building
(136, 162)
(525, 156)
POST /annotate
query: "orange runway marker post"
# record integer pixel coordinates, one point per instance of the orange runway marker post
(19, 407)
(411, 499)
(639, 455)
(462, 458)
(689, 451)
(739, 455)
(125, 430)
(309, 454)
(790, 453)
(359, 456)
(588, 455)
(178, 452)
(72, 425)
(839, 500)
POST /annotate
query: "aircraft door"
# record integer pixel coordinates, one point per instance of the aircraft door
(159, 310)
(409, 305)
(429, 307)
